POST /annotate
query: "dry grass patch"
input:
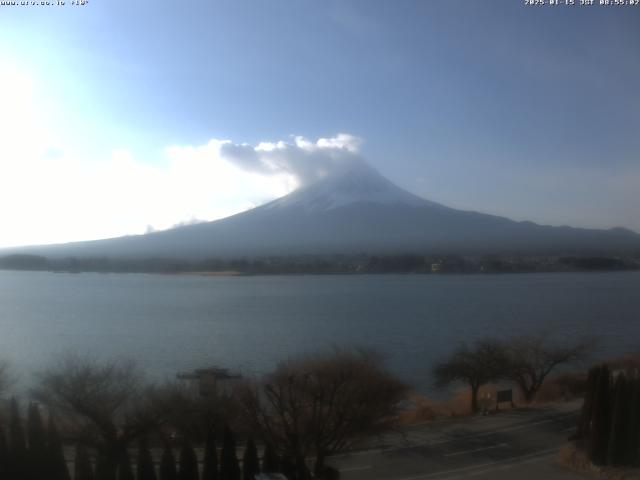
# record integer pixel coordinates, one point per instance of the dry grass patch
(423, 409)
(574, 458)
(561, 389)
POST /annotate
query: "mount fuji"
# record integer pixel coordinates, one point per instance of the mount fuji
(351, 211)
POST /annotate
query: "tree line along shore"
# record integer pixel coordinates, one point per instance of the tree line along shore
(333, 264)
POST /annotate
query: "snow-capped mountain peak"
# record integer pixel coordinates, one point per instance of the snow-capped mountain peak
(354, 210)
(353, 183)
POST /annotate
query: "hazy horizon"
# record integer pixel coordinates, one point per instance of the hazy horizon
(122, 118)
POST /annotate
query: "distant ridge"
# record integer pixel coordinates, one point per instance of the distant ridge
(351, 211)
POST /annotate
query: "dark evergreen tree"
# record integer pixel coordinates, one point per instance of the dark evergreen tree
(288, 467)
(628, 455)
(37, 451)
(168, 465)
(125, 471)
(57, 464)
(4, 455)
(145, 469)
(210, 468)
(104, 468)
(188, 463)
(617, 447)
(82, 468)
(270, 460)
(600, 421)
(18, 459)
(229, 466)
(250, 462)
(584, 424)
(634, 442)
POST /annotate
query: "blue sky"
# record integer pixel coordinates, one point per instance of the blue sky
(114, 112)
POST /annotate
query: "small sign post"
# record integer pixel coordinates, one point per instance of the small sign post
(504, 396)
(485, 403)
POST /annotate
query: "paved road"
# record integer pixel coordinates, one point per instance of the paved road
(515, 444)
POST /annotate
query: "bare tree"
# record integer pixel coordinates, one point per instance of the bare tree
(102, 403)
(322, 404)
(532, 358)
(476, 365)
(188, 412)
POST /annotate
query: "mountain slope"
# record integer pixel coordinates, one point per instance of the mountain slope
(354, 210)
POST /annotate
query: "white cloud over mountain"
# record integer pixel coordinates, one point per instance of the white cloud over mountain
(50, 192)
(304, 160)
(57, 197)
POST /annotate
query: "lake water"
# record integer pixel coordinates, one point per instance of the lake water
(173, 323)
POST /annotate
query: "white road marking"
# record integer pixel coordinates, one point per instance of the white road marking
(505, 429)
(416, 437)
(474, 435)
(360, 453)
(501, 464)
(354, 469)
(505, 467)
(454, 454)
(451, 439)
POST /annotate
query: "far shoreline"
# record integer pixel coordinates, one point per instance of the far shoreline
(360, 264)
(235, 273)
(204, 273)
